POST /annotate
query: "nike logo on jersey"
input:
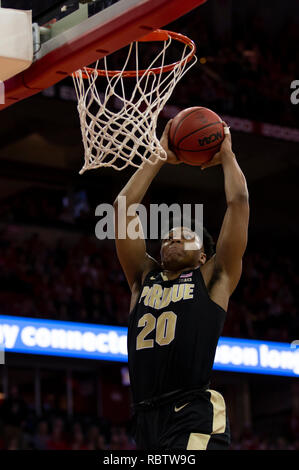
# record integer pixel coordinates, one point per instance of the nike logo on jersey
(180, 407)
(159, 297)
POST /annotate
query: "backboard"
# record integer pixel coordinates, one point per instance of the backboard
(71, 34)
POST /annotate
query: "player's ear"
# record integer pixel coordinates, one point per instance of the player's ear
(202, 257)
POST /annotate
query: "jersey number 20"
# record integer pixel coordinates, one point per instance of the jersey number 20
(165, 329)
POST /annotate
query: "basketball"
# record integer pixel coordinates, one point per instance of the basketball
(195, 135)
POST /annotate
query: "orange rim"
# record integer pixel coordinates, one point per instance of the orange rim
(157, 35)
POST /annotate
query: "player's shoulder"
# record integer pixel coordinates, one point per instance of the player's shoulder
(151, 265)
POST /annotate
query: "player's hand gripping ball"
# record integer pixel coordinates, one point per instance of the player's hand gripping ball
(195, 135)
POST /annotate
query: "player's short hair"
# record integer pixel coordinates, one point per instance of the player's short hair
(208, 242)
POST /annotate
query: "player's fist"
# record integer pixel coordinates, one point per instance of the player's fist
(164, 141)
(225, 149)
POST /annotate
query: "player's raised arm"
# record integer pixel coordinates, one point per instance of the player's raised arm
(232, 239)
(136, 263)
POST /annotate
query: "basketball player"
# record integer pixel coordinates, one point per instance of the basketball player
(178, 308)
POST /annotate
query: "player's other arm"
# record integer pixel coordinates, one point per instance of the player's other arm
(232, 240)
(136, 263)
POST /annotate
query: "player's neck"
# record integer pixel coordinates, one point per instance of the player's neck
(174, 274)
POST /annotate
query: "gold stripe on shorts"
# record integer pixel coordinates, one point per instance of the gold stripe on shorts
(219, 412)
(198, 441)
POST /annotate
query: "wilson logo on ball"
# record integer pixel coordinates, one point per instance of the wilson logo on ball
(209, 139)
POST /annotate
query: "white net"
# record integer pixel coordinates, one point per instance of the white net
(119, 117)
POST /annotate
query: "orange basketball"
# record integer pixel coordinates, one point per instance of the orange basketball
(195, 135)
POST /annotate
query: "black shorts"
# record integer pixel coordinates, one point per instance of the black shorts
(198, 423)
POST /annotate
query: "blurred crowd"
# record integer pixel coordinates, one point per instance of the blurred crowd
(42, 207)
(82, 283)
(22, 429)
(265, 304)
(251, 440)
(246, 71)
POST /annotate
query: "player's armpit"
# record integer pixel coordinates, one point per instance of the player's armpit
(232, 241)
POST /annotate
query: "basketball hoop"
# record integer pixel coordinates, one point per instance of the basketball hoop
(118, 122)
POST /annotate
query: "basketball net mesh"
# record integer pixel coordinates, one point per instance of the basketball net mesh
(119, 124)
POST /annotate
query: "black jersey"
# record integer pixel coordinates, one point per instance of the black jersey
(172, 335)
